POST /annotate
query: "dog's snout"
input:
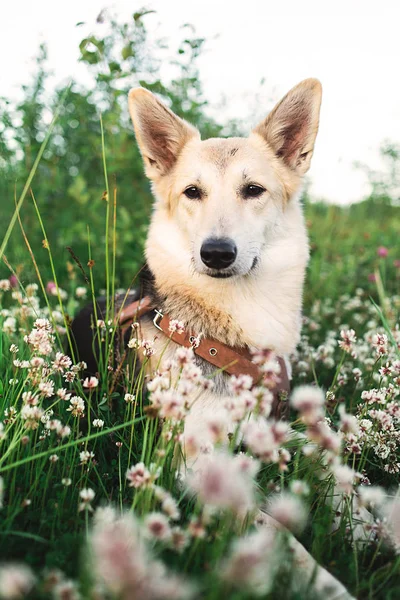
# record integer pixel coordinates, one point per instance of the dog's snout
(218, 253)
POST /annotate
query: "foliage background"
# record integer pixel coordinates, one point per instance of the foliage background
(69, 182)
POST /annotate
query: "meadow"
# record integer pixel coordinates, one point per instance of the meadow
(91, 502)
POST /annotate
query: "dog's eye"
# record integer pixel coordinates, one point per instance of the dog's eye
(253, 191)
(192, 192)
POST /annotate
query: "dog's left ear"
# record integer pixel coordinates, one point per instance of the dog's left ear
(291, 127)
(160, 133)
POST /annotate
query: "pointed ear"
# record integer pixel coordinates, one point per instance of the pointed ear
(160, 134)
(292, 126)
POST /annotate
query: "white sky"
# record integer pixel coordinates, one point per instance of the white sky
(352, 46)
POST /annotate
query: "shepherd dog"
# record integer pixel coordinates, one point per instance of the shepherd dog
(227, 247)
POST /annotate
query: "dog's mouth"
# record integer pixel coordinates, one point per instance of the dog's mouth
(221, 275)
(226, 274)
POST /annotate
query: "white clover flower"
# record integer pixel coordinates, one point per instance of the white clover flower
(299, 488)
(87, 496)
(16, 581)
(176, 326)
(81, 292)
(9, 325)
(85, 456)
(289, 511)
(157, 526)
(129, 398)
(91, 383)
(5, 285)
(309, 402)
(138, 476)
(98, 423)
(76, 406)
(219, 482)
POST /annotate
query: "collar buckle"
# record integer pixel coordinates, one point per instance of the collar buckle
(159, 315)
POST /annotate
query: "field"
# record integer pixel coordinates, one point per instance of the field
(92, 504)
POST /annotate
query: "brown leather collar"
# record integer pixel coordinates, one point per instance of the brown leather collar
(233, 360)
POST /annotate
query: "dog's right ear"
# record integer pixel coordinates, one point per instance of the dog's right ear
(160, 134)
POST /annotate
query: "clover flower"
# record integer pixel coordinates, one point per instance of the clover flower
(16, 581)
(87, 496)
(220, 483)
(76, 406)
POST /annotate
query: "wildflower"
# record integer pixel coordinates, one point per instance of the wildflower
(348, 340)
(179, 539)
(61, 362)
(85, 456)
(380, 343)
(371, 495)
(53, 458)
(98, 423)
(138, 476)
(176, 326)
(36, 362)
(129, 398)
(299, 488)
(31, 415)
(196, 528)
(86, 495)
(170, 508)
(63, 394)
(248, 565)
(308, 401)
(91, 383)
(247, 464)
(66, 481)
(66, 590)
(264, 438)
(76, 406)
(348, 423)
(46, 388)
(51, 288)
(29, 398)
(14, 349)
(5, 285)
(289, 511)
(81, 292)
(382, 252)
(220, 483)
(345, 477)
(9, 325)
(157, 526)
(123, 562)
(16, 581)
(69, 376)
(148, 348)
(183, 356)
(105, 515)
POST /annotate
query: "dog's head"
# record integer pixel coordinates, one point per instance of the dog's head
(221, 199)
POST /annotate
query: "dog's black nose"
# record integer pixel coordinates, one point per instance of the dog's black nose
(218, 253)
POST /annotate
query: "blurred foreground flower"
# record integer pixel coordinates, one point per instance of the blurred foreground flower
(16, 581)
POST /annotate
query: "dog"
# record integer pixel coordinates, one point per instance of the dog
(227, 246)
